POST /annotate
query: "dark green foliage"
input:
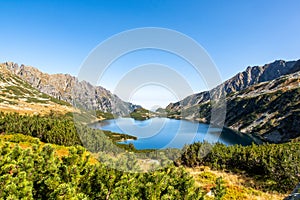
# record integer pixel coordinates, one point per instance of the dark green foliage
(59, 130)
(36, 100)
(105, 115)
(50, 129)
(202, 110)
(141, 114)
(283, 102)
(36, 173)
(62, 130)
(17, 90)
(219, 190)
(276, 165)
(60, 102)
(8, 101)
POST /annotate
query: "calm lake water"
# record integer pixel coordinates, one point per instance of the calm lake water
(158, 133)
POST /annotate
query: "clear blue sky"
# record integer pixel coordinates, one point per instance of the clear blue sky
(57, 35)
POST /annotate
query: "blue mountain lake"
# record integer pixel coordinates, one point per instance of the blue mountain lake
(158, 133)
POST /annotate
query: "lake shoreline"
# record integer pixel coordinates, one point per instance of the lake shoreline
(258, 139)
(224, 134)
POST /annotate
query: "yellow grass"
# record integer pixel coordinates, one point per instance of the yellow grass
(238, 186)
(61, 152)
(23, 107)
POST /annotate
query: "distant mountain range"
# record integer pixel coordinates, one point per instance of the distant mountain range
(261, 99)
(68, 88)
(251, 76)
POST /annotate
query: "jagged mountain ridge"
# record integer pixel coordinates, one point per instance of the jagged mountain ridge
(16, 95)
(70, 89)
(242, 80)
(270, 108)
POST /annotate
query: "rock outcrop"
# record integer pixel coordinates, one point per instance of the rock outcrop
(16, 95)
(68, 88)
(242, 80)
(262, 99)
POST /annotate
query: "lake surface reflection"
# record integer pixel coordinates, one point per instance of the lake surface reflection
(158, 133)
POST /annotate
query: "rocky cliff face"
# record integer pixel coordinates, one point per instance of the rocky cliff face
(263, 100)
(270, 109)
(16, 95)
(251, 76)
(68, 88)
(258, 74)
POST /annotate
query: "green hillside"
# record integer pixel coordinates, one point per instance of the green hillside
(142, 114)
(16, 95)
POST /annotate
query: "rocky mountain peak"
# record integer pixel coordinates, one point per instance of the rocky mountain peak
(69, 88)
(242, 80)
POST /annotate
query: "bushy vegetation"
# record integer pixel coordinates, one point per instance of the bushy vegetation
(274, 166)
(105, 115)
(57, 129)
(51, 129)
(219, 190)
(36, 172)
(61, 130)
(141, 114)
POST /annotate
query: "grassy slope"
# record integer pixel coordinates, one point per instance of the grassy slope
(17, 95)
(237, 186)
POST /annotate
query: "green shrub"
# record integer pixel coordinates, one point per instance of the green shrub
(36, 173)
(277, 163)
